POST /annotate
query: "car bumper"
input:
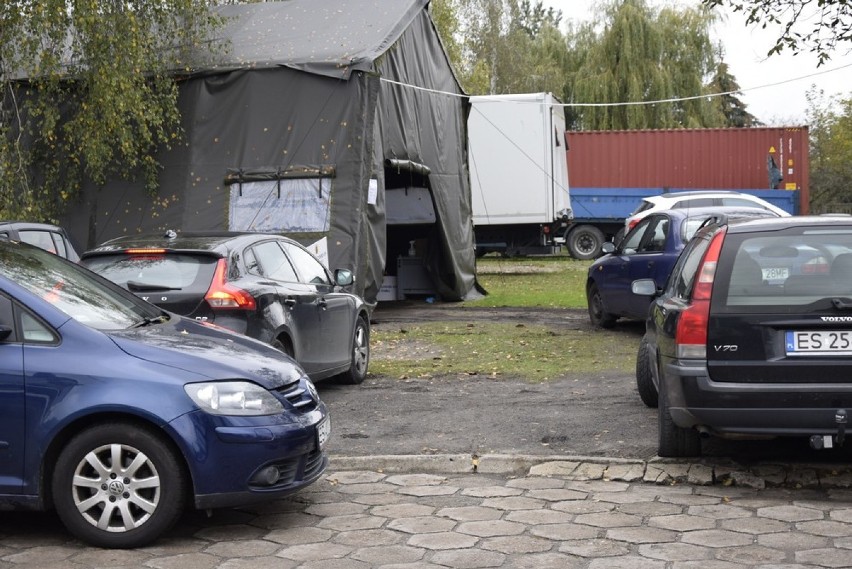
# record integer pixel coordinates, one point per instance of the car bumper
(748, 409)
(235, 461)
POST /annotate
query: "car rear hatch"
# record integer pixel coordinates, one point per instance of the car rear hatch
(781, 309)
(174, 280)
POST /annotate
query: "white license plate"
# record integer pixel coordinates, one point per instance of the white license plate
(324, 431)
(775, 273)
(817, 342)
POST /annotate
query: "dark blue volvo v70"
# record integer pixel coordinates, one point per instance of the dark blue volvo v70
(118, 414)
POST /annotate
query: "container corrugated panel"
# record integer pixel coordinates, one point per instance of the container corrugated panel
(716, 158)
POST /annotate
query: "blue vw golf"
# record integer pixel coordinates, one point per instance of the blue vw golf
(119, 414)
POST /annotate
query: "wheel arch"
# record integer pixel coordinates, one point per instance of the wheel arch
(78, 425)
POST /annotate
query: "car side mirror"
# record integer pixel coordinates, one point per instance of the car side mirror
(644, 287)
(608, 247)
(343, 277)
(5, 332)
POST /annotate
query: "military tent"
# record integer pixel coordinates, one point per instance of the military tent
(334, 119)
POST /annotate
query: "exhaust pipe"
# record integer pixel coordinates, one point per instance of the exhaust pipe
(703, 431)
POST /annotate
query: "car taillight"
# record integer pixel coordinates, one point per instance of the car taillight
(631, 223)
(225, 295)
(691, 334)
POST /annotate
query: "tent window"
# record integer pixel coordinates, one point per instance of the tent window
(297, 205)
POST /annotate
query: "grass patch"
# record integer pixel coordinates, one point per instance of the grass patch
(557, 282)
(535, 353)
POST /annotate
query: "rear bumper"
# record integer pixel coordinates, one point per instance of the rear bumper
(751, 409)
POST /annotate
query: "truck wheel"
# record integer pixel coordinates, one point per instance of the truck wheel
(585, 242)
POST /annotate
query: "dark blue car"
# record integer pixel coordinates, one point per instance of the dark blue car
(119, 414)
(649, 250)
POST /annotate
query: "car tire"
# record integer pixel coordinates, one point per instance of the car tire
(674, 441)
(360, 361)
(644, 375)
(284, 347)
(598, 316)
(585, 242)
(121, 505)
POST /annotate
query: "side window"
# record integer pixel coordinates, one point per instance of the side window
(40, 239)
(740, 202)
(7, 319)
(683, 274)
(310, 270)
(696, 202)
(59, 245)
(34, 331)
(655, 237)
(633, 239)
(24, 325)
(272, 262)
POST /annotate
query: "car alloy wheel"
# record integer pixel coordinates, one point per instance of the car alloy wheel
(360, 354)
(118, 485)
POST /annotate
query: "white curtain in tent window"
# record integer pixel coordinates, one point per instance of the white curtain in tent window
(295, 205)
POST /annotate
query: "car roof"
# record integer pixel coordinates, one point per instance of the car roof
(18, 225)
(688, 193)
(206, 241)
(732, 211)
(777, 223)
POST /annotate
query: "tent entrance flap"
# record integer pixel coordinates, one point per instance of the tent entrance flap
(295, 199)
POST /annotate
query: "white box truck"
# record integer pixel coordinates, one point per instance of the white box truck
(518, 174)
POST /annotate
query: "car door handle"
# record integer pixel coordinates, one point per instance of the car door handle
(322, 303)
(289, 302)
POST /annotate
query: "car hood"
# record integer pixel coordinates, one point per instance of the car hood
(209, 351)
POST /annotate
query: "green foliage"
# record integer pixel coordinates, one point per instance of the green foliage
(830, 120)
(729, 104)
(805, 25)
(507, 46)
(644, 55)
(88, 93)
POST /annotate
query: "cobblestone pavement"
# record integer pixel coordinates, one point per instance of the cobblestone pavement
(558, 514)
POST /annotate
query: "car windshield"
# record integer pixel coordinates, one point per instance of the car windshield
(73, 290)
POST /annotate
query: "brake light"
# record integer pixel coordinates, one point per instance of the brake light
(691, 334)
(144, 251)
(631, 223)
(225, 295)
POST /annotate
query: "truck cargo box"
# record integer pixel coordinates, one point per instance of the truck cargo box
(716, 158)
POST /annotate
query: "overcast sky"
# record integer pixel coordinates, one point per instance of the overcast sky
(745, 53)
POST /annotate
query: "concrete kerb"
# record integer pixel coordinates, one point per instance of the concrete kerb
(655, 471)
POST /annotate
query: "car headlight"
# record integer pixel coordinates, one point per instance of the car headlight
(233, 398)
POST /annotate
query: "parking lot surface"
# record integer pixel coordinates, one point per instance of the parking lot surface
(545, 519)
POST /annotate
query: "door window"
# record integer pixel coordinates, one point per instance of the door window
(309, 268)
(271, 262)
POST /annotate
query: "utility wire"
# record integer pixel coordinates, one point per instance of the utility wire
(657, 102)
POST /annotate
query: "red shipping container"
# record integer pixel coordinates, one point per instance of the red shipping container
(711, 158)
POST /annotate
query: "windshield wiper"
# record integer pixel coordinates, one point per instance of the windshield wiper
(139, 287)
(839, 304)
(149, 320)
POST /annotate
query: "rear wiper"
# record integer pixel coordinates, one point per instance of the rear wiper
(139, 287)
(149, 320)
(839, 304)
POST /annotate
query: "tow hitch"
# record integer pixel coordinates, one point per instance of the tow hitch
(828, 441)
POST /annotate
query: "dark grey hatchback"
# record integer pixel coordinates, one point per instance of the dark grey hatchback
(265, 286)
(752, 335)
